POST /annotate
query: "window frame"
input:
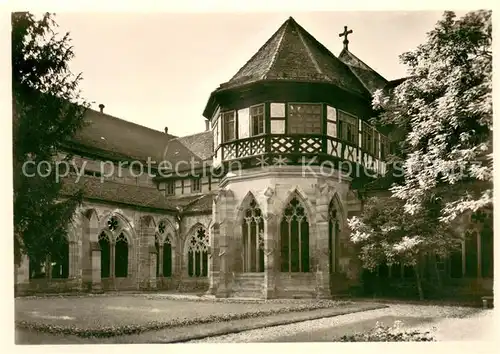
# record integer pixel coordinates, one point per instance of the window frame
(170, 187)
(224, 115)
(252, 117)
(198, 182)
(289, 116)
(366, 132)
(342, 122)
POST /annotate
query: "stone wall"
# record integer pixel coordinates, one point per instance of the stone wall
(273, 188)
(141, 229)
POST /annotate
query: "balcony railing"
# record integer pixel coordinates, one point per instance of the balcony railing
(295, 146)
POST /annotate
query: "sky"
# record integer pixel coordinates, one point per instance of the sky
(158, 69)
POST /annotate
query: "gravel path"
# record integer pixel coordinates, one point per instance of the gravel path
(447, 319)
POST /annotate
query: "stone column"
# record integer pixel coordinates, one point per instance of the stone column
(322, 250)
(226, 253)
(152, 267)
(213, 260)
(73, 259)
(322, 259)
(112, 254)
(146, 255)
(95, 259)
(22, 275)
(271, 229)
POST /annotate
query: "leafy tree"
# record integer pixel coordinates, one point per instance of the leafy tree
(47, 111)
(441, 122)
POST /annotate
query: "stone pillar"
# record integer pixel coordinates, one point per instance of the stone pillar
(22, 275)
(146, 255)
(322, 253)
(152, 267)
(223, 290)
(95, 259)
(112, 253)
(226, 253)
(213, 260)
(322, 258)
(73, 260)
(271, 229)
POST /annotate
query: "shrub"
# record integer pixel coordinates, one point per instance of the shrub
(381, 333)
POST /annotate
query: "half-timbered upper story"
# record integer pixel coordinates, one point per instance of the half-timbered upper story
(296, 101)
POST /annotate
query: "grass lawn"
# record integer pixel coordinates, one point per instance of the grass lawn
(105, 316)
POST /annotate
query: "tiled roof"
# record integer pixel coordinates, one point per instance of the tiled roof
(293, 54)
(369, 77)
(203, 204)
(121, 138)
(200, 144)
(193, 203)
(179, 156)
(109, 191)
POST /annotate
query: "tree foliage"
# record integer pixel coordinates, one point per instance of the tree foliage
(47, 111)
(441, 121)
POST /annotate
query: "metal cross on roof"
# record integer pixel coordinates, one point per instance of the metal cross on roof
(345, 34)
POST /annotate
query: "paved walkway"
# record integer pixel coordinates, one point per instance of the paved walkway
(449, 324)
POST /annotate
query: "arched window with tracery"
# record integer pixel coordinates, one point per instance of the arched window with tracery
(294, 231)
(60, 260)
(198, 254)
(121, 256)
(167, 256)
(104, 244)
(253, 242)
(164, 251)
(333, 236)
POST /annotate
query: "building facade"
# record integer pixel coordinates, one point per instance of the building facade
(255, 206)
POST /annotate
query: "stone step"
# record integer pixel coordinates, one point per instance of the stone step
(247, 293)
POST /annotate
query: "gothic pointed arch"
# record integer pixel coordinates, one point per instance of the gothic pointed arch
(197, 246)
(117, 223)
(60, 258)
(335, 224)
(116, 241)
(297, 193)
(105, 246)
(245, 202)
(294, 236)
(121, 255)
(164, 248)
(252, 231)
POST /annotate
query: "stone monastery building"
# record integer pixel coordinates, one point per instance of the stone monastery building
(256, 205)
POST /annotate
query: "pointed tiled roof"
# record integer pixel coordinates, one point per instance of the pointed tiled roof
(369, 77)
(293, 54)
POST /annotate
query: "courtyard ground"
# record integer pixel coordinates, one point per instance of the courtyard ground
(446, 323)
(158, 318)
(144, 318)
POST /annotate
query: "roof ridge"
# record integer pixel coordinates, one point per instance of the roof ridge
(92, 178)
(188, 136)
(132, 123)
(328, 52)
(311, 56)
(278, 47)
(362, 62)
(258, 52)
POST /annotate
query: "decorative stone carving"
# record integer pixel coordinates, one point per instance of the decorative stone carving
(269, 192)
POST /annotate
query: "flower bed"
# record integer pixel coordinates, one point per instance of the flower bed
(396, 333)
